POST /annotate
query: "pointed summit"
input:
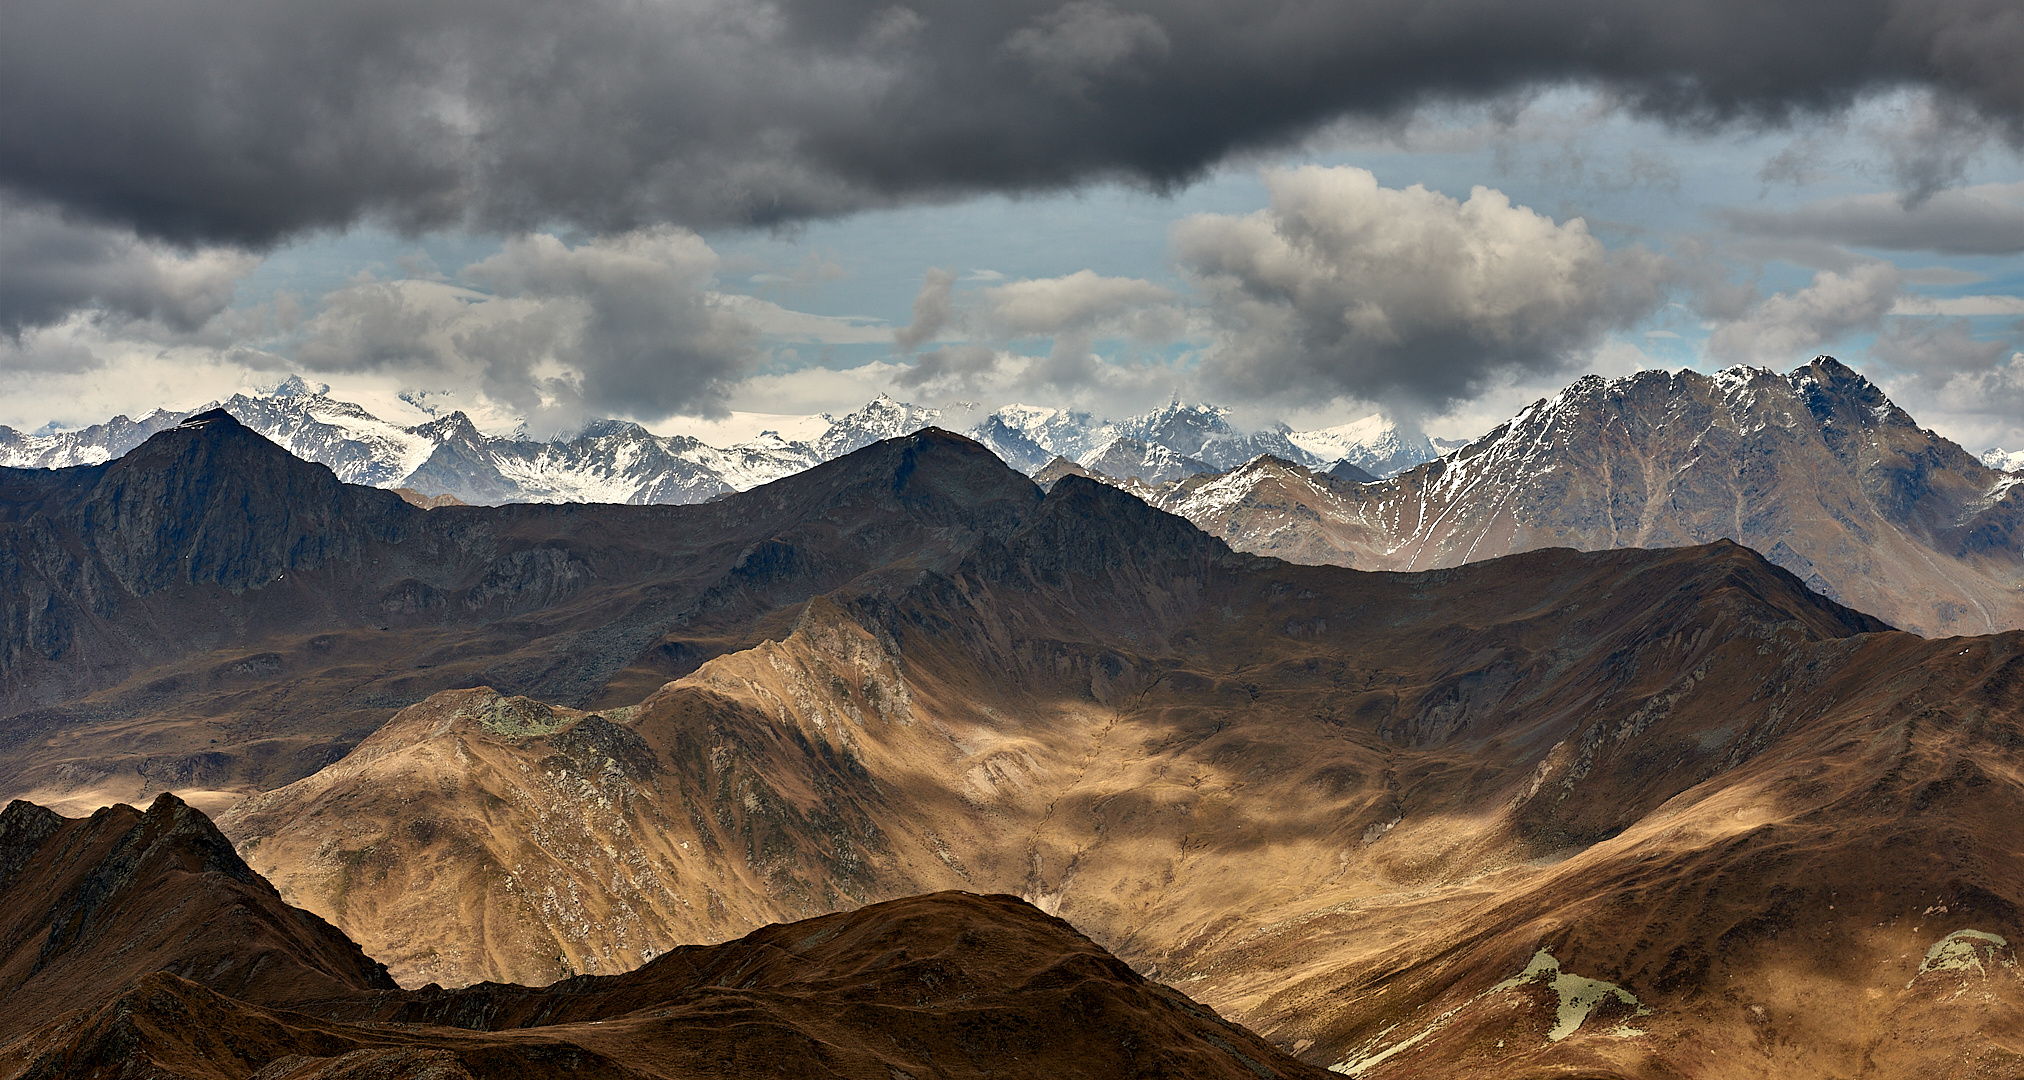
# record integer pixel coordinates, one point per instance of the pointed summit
(881, 418)
(297, 386)
(85, 910)
(225, 421)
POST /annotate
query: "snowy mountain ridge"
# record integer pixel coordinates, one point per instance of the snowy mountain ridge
(620, 461)
(1816, 468)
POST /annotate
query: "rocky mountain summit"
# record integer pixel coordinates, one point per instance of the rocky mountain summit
(93, 904)
(1815, 468)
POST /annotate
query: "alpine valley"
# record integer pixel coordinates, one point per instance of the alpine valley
(1605, 746)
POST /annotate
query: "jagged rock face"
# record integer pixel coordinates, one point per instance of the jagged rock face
(883, 418)
(165, 957)
(610, 462)
(1203, 433)
(1816, 469)
(356, 445)
(254, 590)
(89, 905)
(1136, 460)
(94, 445)
(1054, 432)
(1013, 446)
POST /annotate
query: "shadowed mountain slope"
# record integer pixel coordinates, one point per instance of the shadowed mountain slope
(1609, 809)
(167, 947)
(1338, 806)
(1817, 469)
(279, 616)
(89, 905)
(1341, 806)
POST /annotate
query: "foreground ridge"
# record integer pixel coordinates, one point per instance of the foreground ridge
(945, 985)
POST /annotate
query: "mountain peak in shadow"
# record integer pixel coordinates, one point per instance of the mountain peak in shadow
(91, 904)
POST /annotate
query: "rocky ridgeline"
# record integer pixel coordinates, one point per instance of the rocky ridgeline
(1815, 468)
(615, 461)
(138, 944)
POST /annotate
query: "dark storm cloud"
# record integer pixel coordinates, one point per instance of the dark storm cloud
(619, 326)
(246, 121)
(50, 267)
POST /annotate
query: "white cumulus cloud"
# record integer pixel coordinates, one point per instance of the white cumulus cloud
(1806, 321)
(1406, 296)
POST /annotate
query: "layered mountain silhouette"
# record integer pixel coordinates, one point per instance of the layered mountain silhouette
(1817, 469)
(1814, 468)
(1630, 812)
(140, 945)
(209, 569)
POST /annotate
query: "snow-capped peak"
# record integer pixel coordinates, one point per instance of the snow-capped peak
(882, 418)
(1177, 424)
(1996, 457)
(1375, 444)
(297, 386)
(606, 429)
(766, 440)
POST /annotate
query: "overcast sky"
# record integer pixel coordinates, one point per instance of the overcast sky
(674, 210)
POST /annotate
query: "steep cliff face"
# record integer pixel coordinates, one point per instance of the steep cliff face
(1816, 469)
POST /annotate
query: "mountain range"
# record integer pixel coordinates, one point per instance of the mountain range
(1815, 468)
(1632, 812)
(616, 461)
